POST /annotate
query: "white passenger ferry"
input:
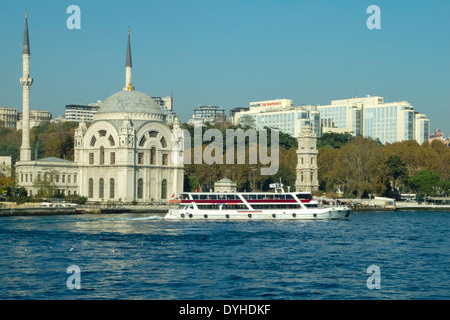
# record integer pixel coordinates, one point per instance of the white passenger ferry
(252, 206)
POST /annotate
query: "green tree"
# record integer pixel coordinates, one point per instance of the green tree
(46, 186)
(334, 140)
(396, 170)
(425, 182)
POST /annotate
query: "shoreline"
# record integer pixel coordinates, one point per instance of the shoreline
(162, 210)
(49, 211)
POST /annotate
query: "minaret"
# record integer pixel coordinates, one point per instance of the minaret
(128, 67)
(26, 81)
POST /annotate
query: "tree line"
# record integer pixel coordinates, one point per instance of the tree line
(349, 166)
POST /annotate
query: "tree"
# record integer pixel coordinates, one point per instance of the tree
(247, 122)
(46, 187)
(396, 170)
(359, 168)
(334, 140)
(425, 182)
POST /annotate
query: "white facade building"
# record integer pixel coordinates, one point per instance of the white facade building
(281, 114)
(372, 117)
(127, 154)
(421, 128)
(8, 118)
(77, 113)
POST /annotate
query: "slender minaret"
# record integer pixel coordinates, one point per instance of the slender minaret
(128, 67)
(26, 81)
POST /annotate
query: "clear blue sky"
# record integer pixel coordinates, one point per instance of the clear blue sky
(229, 53)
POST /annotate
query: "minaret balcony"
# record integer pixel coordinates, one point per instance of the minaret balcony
(26, 82)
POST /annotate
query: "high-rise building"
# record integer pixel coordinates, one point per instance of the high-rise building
(166, 106)
(280, 114)
(211, 114)
(77, 112)
(372, 117)
(421, 128)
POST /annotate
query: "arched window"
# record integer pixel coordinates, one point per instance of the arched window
(93, 141)
(111, 188)
(91, 188)
(164, 189)
(153, 155)
(101, 188)
(143, 141)
(153, 134)
(111, 140)
(163, 142)
(102, 155)
(140, 189)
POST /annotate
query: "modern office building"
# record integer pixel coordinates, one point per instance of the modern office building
(280, 114)
(344, 115)
(78, 112)
(373, 117)
(421, 128)
(166, 106)
(211, 114)
(235, 111)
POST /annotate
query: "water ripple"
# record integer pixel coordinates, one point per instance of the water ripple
(145, 257)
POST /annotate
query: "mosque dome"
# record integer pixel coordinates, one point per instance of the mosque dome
(130, 102)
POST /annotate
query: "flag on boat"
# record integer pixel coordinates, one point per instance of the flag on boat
(173, 195)
(198, 189)
(273, 185)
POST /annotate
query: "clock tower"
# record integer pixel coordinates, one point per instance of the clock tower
(307, 170)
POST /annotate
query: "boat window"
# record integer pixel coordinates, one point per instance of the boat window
(282, 196)
(213, 197)
(289, 197)
(252, 196)
(234, 207)
(195, 196)
(304, 196)
(203, 197)
(275, 206)
(245, 196)
(262, 196)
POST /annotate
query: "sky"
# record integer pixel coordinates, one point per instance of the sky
(230, 53)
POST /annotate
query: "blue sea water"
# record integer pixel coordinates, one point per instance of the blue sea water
(145, 257)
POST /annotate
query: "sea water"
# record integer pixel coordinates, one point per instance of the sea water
(146, 257)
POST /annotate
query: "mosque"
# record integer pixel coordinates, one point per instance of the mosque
(128, 153)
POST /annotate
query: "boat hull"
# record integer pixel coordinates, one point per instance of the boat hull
(295, 214)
